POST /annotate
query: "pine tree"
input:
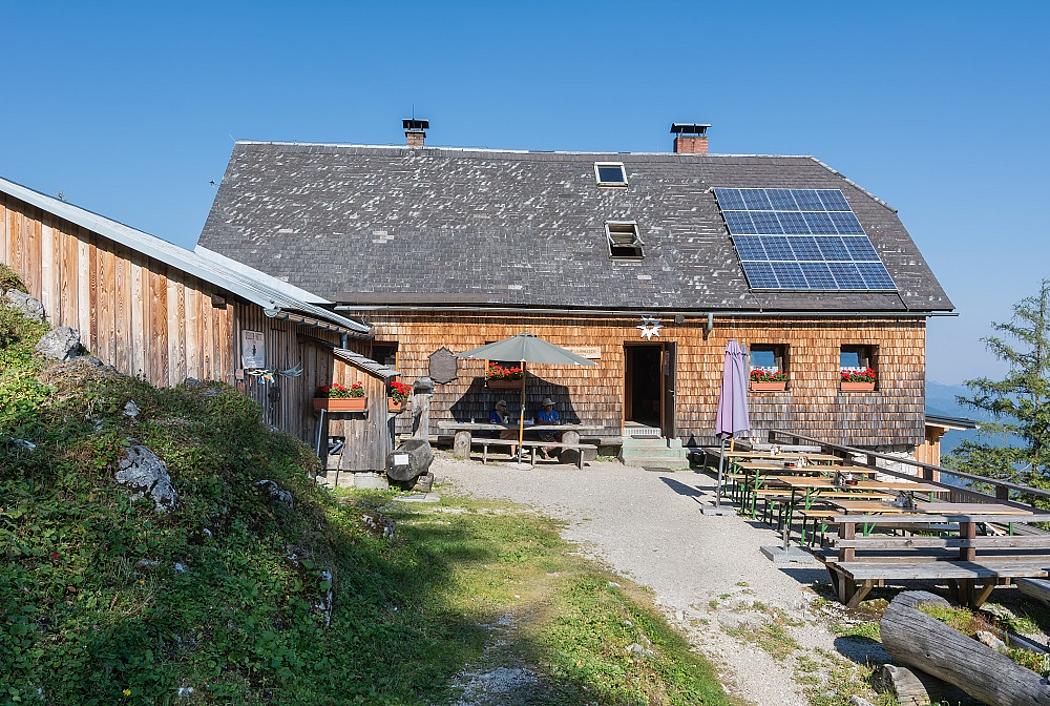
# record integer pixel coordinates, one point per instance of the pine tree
(1019, 403)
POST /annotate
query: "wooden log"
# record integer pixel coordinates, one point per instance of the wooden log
(1038, 589)
(410, 460)
(917, 640)
(902, 683)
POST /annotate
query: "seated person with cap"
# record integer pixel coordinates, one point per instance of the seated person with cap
(547, 415)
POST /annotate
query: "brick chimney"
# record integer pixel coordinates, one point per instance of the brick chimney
(415, 131)
(690, 138)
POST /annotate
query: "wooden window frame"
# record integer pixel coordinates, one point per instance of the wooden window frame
(867, 357)
(781, 355)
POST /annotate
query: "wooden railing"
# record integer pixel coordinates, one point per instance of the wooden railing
(927, 471)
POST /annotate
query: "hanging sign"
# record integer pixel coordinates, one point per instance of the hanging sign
(590, 352)
(253, 350)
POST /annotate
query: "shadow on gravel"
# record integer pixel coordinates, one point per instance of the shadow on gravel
(681, 488)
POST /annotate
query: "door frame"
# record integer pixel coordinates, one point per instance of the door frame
(668, 382)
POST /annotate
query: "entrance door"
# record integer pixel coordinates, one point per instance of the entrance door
(643, 385)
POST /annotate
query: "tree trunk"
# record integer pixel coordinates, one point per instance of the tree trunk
(1038, 589)
(920, 641)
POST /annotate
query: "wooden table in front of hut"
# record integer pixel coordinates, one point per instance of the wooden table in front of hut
(570, 433)
(811, 487)
(763, 472)
(782, 456)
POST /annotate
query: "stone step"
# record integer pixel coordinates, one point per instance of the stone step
(655, 443)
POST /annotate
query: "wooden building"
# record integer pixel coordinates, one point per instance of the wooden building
(165, 314)
(646, 262)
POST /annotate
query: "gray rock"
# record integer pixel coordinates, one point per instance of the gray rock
(989, 639)
(145, 564)
(859, 701)
(184, 692)
(639, 650)
(277, 493)
(24, 444)
(131, 409)
(24, 304)
(62, 343)
(142, 470)
(179, 567)
(379, 525)
(327, 601)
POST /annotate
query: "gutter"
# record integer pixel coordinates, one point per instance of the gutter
(709, 316)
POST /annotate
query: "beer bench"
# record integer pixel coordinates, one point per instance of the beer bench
(866, 560)
(532, 446)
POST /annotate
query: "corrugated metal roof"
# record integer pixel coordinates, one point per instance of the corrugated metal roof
(249, 284)
(365, 363)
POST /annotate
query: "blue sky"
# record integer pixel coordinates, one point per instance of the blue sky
(940, 108)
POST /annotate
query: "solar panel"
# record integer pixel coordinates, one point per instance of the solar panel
(801, 239)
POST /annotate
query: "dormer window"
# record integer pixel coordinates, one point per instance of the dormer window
(610, 174)
(624, 241)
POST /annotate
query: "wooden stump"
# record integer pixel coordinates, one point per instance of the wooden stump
(922, 642)
(461, 444)
(902, 683)
(570, 455)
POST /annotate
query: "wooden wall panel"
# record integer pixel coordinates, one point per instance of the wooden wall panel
(131, 311)
(813, 404)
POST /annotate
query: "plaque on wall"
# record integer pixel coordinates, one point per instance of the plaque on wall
(253, 350)
(443, 366)
(591, 352)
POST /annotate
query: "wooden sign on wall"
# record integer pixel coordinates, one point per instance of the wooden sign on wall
(590, 352)
(443, 366)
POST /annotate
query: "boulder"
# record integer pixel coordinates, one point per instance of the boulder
(277, 493)
(142, 470)
(62, 344)
(24, 304)
(131, 409)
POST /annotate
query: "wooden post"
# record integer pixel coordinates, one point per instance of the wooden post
(968, 531)
(422, 391)
(847, 530)
(1002, 492)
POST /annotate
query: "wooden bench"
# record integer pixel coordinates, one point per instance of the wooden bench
(952, 559)
(533, 446)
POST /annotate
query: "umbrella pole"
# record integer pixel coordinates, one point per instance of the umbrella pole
(721, 461)
(521, 419)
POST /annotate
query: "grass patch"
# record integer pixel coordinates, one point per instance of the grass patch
(771, 637)
(868, 630)
(104, 601)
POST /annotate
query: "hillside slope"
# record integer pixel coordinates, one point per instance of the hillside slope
(239, 590)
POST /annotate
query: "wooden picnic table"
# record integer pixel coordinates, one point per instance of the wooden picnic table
(931, 508)
(786, 455)
(570, 433)
(489, 426)
(763, 466)
(812, 485)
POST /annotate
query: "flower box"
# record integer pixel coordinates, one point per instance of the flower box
(394, 406)
(504, 384)
(340, 404)
(857, 386)
(768, 386)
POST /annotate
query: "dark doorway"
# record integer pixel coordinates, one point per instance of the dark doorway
(643, 385)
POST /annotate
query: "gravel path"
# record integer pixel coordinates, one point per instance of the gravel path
(707, 573)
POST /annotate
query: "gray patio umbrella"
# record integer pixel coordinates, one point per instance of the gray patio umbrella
(526, 348)
(732, 417)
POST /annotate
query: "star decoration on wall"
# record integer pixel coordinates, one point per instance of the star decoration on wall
(650, 327)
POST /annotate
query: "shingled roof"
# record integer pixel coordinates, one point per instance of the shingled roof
(396, 225)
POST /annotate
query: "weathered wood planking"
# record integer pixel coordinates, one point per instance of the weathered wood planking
(813, 404)
(133, 312)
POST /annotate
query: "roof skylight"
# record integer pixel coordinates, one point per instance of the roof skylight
(624, 241)
(610, 174)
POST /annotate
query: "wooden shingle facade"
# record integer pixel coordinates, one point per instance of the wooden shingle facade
(449, 248)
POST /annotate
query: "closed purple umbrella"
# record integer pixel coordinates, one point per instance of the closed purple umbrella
(732, 418)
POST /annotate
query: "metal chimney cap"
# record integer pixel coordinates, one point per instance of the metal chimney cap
(414, 125)
(689, 128)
